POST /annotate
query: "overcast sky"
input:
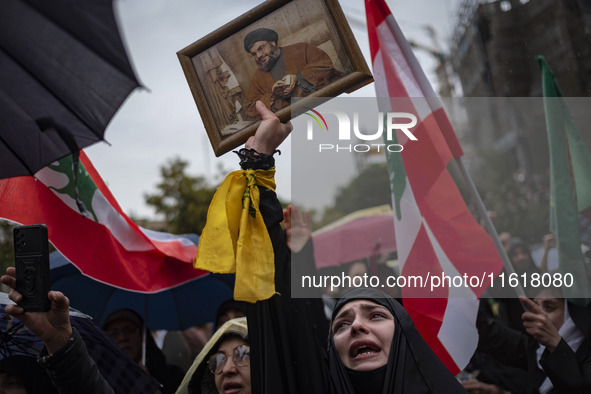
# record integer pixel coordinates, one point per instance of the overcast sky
(161, 122)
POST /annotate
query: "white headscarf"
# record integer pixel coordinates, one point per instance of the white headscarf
(199, 367)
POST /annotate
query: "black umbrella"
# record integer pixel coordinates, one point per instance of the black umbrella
(63, 75)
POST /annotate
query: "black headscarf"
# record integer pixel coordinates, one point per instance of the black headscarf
(518, 243)
(168, 375)
(229, 305)
(412, 366)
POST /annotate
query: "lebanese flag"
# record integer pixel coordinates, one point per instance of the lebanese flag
(102, 242)
(435, 232)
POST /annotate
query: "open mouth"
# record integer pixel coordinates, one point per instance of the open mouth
(232, 387)
(363, 348)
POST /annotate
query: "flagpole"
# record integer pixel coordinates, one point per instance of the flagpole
(489, 226)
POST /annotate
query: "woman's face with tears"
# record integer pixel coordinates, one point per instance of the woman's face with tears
(362, 333)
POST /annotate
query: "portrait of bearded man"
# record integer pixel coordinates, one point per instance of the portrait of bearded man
(284, 72)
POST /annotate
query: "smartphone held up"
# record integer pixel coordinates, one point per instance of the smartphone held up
(31, 254)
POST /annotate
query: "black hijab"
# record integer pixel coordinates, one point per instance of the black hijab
(412, 366)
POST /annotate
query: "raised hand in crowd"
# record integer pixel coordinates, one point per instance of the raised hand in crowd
(53, 327)
(297, 227)
(70, 367)
(549, 241)
(539, 325)
(270, 133)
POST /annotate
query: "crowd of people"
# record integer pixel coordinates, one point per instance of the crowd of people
(368, 343)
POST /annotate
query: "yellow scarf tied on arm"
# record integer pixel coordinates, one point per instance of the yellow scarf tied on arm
(235, 238)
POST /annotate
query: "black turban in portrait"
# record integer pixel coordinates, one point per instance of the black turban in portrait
(260, 34)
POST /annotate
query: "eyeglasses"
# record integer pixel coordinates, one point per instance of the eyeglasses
(259, 50)
(240, 357)
(125, 331)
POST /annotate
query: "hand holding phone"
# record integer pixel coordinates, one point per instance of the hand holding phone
(31, 252)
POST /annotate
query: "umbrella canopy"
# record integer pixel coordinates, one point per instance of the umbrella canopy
(193, 303)
(123, 374)
(63, 75)
(361, 234)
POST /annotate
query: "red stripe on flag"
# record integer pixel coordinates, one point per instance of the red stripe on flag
(399, 62)
(422, 262)
(448, 133)
(88, 244)
(428, 157)
(374, 18)
(174, 248)
(443, 207)
(426, 314)
(465, 243)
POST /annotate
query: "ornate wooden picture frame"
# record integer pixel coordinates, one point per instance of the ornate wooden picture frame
(226, 70)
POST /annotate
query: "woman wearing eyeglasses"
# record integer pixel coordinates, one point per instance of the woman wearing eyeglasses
(223, 366)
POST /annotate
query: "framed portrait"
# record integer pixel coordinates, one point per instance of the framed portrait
(285, 53)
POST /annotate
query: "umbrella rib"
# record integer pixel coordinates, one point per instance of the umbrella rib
(109, 295)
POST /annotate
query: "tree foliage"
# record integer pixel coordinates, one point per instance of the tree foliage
(182, 199)
(370, 188)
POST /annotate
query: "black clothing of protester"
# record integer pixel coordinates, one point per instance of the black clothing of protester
(509, 371)
(412, 366)
(169, 375)
(506, 370)
(367, 381)
(29, 372)
(72, 370)
(229, 305)
(569, 371)
(287, 352)
(286, 334)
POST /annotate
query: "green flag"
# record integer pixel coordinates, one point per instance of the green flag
(570, 185)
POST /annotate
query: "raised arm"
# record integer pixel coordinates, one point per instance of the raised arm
(65, 356)
(568, 371)
(286, 354)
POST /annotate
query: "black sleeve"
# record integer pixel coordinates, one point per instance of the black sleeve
(72, 370)
(286, 354)
(507, 345)
(567, 372)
